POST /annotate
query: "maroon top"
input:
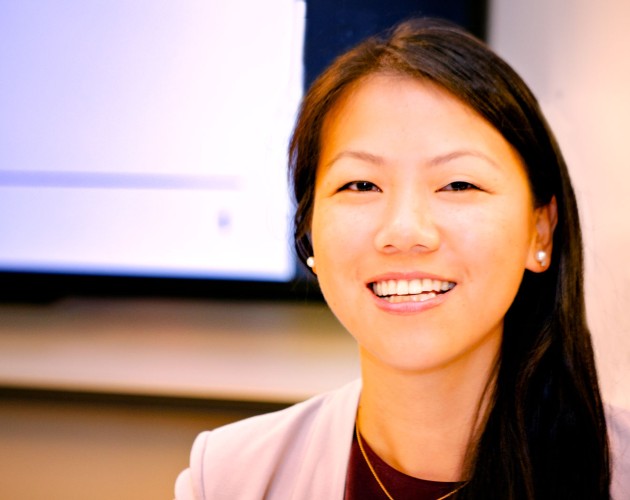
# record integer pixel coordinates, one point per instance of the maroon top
(361, 485)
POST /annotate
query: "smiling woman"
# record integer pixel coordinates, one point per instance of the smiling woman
(437, 213)
(414, 189)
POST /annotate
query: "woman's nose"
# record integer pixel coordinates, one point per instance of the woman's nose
(407, 224)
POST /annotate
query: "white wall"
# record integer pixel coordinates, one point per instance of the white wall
(575, 56)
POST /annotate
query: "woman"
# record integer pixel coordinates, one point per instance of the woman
(436, 210)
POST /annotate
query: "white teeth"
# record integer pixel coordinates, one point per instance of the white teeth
(416, 287)
(402, 288)
(397, 299)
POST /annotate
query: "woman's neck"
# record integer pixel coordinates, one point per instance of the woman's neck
(423, 423)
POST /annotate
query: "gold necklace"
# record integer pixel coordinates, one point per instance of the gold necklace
(378, 480)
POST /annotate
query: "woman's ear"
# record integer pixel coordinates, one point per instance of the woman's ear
(539, 256)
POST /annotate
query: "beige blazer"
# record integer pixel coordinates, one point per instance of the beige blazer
(302, 453)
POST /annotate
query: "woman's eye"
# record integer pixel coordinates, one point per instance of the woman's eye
(459, 186)
(360, 186)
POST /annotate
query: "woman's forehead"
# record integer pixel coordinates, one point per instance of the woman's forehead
(387, 114)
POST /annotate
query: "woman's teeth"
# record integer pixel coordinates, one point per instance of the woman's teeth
(415, 290)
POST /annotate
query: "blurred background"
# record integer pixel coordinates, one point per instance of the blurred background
(148, 288)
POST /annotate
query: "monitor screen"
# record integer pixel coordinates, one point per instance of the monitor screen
(148, 138)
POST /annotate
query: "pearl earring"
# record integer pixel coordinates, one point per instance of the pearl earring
(541, 257)
(310, 262)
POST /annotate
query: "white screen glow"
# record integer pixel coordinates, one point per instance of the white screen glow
(148, 137)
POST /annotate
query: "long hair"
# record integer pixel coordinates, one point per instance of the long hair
(545, 433)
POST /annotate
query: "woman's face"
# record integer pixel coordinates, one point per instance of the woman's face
(423, 225)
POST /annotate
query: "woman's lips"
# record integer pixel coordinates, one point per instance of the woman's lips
(397, 291)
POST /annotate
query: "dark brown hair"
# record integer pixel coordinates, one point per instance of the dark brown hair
(545, 435)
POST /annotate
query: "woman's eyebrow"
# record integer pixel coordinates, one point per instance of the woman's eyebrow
(454, 155)
(357, 155)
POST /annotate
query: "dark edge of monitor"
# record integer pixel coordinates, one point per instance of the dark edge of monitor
(44, 288)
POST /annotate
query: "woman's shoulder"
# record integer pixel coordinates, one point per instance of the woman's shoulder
(618, 420)
(266, 452)
(272, 426)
